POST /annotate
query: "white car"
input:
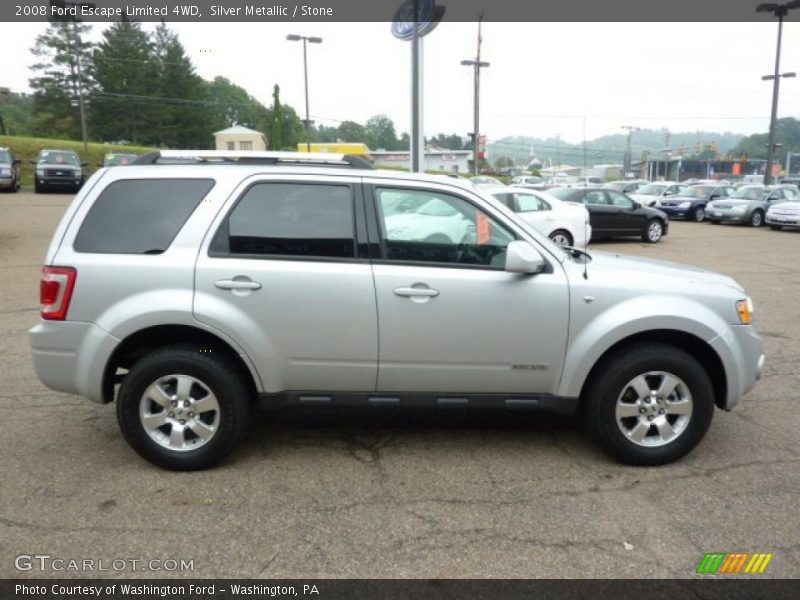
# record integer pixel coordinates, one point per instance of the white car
(653, 193)
(434, 220)
(484, 180)
(784, 214)
(565, 223)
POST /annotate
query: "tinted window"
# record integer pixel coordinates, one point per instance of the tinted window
(439, 228)
(596, 198)
(5, 156)
(531, 203)
(620, 200)
(140, 216)
(291, 219)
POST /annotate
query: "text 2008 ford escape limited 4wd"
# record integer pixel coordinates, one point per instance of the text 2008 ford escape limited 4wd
(190, 285)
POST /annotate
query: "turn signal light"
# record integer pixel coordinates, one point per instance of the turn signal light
(745, 310)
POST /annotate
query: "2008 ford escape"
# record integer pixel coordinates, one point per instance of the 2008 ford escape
(192, 284)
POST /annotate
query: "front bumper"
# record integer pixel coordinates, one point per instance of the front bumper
(674, 212)
(717, 214)
(58, 182)
(6, 183)
(70, 356)
(783, 220)
(742, 352)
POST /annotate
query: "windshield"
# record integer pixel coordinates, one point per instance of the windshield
(651, 190)
(59, 157)
(698, 191)
(750, 193)
(114, 160)
(5, 156)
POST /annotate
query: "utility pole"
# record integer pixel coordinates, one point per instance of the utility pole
(628, 161)
(73, 42)
(780, 11)
(476, 64)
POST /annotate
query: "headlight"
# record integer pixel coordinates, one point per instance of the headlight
(5, 171)
(745, 310)
(77, 173)
(684, 205)
(40, 172)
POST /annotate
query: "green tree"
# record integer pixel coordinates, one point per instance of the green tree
(276, 119)
(380, 133)
(16, 111)
(125, 74)
(350, 131)
(230, 104)
(787, 133)
(63, 66)
(449, 142)
(185, 120)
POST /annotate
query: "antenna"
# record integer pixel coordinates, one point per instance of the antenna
(586, 218)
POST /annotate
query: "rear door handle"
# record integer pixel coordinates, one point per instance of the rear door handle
(410, 292)
(237, 284)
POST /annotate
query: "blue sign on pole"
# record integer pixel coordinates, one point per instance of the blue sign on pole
(404, 21)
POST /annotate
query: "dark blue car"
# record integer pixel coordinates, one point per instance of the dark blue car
(692, 203)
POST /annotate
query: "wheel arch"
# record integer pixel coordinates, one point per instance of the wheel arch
(691, 344)
(141, 342)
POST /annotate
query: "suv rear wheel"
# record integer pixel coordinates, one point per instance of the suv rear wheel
(183, 407)
(650, 404)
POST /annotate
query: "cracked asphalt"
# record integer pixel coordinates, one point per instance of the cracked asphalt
(387, 493)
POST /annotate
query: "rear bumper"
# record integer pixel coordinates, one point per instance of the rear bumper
(70, 356)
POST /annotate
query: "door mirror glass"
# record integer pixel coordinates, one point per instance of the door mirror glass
(17, 162)
(521, 257)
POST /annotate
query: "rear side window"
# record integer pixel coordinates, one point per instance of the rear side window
(290, 220)
(140, 216)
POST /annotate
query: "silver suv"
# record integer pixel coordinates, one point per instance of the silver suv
(191, 284)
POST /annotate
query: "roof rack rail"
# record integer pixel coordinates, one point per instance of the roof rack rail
(253, 157)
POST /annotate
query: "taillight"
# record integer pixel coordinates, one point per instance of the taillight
(55, 291)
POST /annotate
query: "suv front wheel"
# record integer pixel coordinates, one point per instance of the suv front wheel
(650, 404)
(183, 408)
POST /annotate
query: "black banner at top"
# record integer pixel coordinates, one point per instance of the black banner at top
(384, 10)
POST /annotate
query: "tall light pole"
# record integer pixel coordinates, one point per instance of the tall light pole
(477, 65)
(311, 40)
(780, 11)
(628, 161)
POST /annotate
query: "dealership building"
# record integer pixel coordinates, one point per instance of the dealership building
(453, 161)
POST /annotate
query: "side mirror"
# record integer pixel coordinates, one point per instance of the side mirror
(33, 162)
(636, 205)
(521, 257)
(84, 164)
(17, 162)
(100, 165)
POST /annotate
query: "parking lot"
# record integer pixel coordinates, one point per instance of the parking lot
(387, 493)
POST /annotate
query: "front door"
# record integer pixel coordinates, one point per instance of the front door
(451, 319)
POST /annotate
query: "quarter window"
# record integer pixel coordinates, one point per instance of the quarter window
(432, 227)
(291, 220)
(140, 216)
(531, 203)
(596, 198)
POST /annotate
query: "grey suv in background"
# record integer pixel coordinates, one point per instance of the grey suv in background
(58, 169)
(186, 291)
(9, 170)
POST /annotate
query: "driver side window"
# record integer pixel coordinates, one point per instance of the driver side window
(434, 227)
(618, 199)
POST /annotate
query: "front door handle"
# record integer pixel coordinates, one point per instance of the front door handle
(237, 284)
(410, 292)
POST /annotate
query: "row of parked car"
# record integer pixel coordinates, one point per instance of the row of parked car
(572, 215)
(54, 169)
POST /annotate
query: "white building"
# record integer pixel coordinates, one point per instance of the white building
(452, 161)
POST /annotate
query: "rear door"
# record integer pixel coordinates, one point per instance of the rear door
(281, 273)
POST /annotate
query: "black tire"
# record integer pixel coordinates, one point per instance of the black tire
(775, 227)
(37, 189)
(653, 231)
(699, 213)
(221, 376)
(611, 379)
(562, 234)
(713, 222)
(757, 218)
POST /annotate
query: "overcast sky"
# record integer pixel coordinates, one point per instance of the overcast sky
(543, 80)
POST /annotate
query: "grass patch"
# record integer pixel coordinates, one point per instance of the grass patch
(27, 148)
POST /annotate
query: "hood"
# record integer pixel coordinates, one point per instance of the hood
(790, 205)
(733, 202)
(643, 197)
(62, 166)
(675, 275)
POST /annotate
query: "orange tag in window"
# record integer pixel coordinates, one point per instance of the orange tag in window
(482, 226)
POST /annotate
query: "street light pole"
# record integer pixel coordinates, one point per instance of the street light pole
(477, 65)
(310, 40)
(628, 157)
(780, 11)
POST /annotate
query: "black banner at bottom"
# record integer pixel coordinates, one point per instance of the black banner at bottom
(398, 589)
